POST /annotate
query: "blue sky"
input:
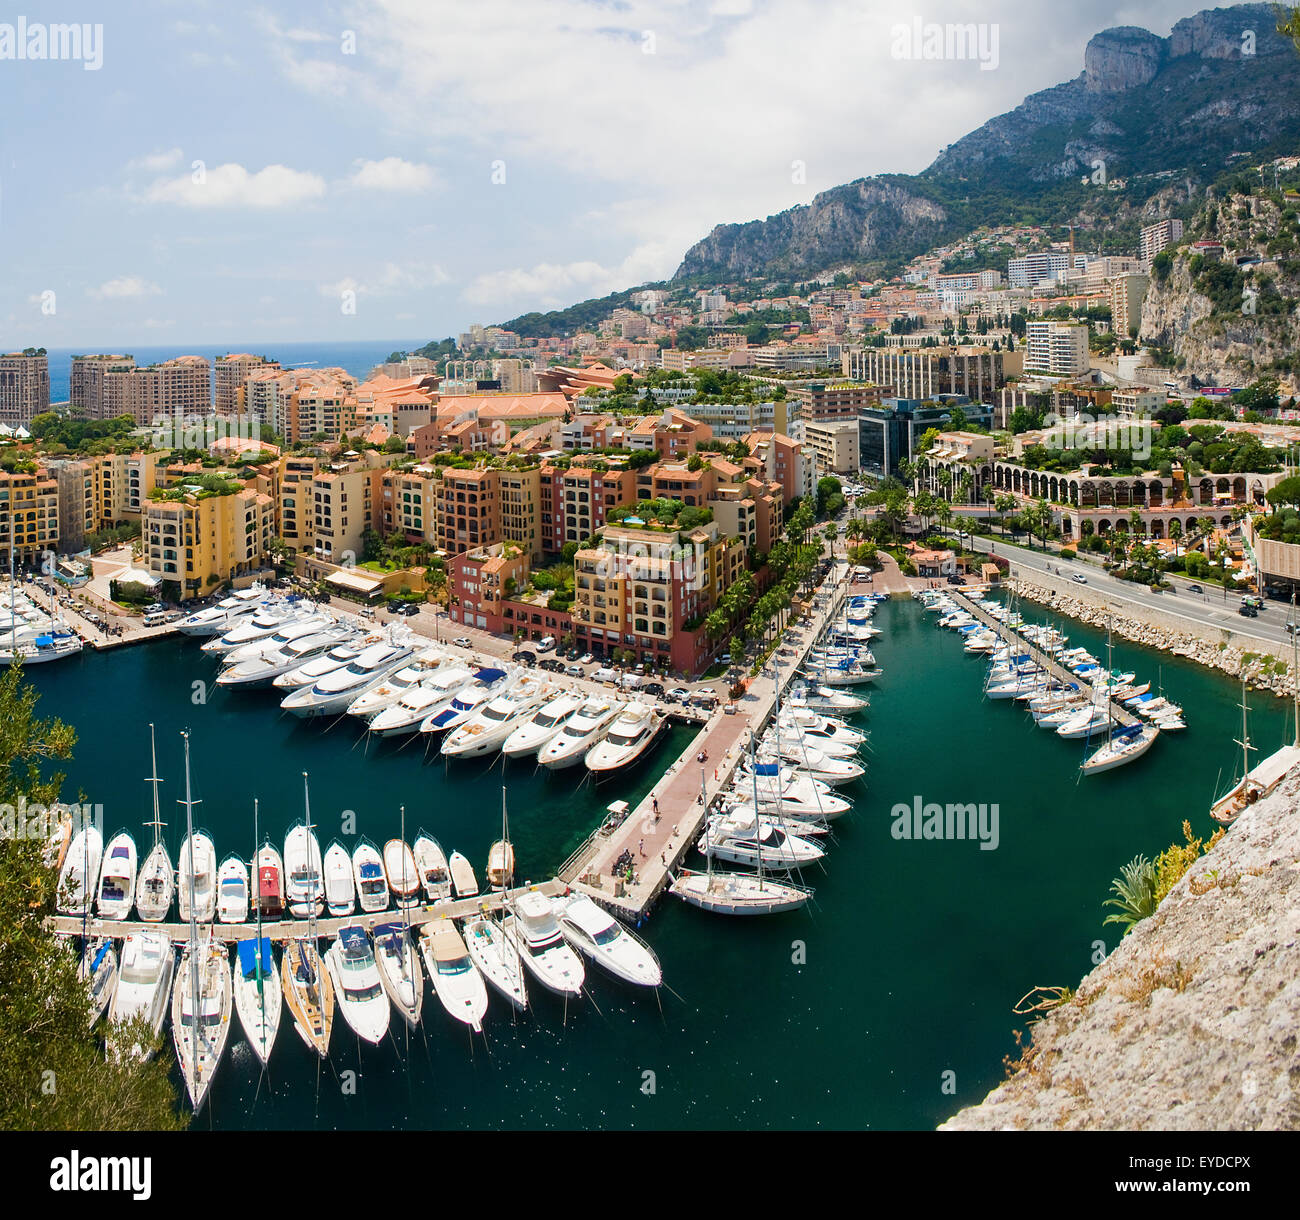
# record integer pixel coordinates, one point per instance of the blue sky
(452, 162)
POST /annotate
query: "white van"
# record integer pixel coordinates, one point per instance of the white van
(156, 618)
(604, 675)
(546, 643)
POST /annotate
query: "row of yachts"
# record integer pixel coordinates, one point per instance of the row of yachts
(843, 657)
(1079, 709)
(30, 635)
(396, 688)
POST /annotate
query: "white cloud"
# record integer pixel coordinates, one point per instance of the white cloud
(156, 162)
(158, 323)
(389, 279)
(554, 285)
(233, 186)
(392, 174)
(123, 287)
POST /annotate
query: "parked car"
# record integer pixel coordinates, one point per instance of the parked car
(586, 659)
(524, 655)
(678, 694)
(409, 609)
(653, 688)
(552, 663)
(462, 642)
(575, 670)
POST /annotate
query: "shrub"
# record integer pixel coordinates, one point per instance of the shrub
(1067, 553)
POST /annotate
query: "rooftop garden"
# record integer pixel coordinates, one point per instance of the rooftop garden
(659, 514)
(202, 487)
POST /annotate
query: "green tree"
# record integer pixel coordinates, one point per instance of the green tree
(1135, 894)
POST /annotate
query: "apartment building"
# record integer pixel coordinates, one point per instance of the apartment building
(108, 386)
(1127, 292)
(295, 504)
(324, 409)
(1137, 400)
(75, 479)
(29, 516)
(1056, 349)
(783, 460)
(196, 540)
(521, 510)
(344, 499)
(24, 387)
(834, 442)
(468, 509)
(1030, 270)
(1157, 237)
(121, 486)
(408, 504)
(834, 400)
(580, 500)
(230, 374)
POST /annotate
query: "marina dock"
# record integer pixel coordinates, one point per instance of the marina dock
(688, 789)
(1045, 659)
(296, 929)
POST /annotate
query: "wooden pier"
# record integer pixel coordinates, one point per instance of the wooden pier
(1043, 658)
(685, 795)
(296, 929)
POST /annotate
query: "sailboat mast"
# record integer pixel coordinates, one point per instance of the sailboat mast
(257, 899)
(1295, 673)
(753, 772)
(154, 781)
(197, 1016)
(311, 905)
(405, 910)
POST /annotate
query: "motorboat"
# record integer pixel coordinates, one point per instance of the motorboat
(117, 878)
(463, 881)
(309, 993)
(1086, 722)
(403, 876)
(824, 699)
(79, 877)
(532, 736)
(262, 671)
(532, 928)
(368, 873)
(600, 937)
(814, 762)
(501, 864)
(98, 973)
(268, 867)
(367, 706)
(340, 887)
(487, 683)
(336, 691)
(741, 840)
(632, 733)
(308, 673)
(144, 982)
(582, 731)
(201, 1006)
(196, 876)
(298, 628)
(456, 980)
(820, 726)
(430, 696)
(496, 959)
(261, 625)
(304, 884)
(232, 890)
(793, 738)
(259, 1000)
(212, 620)
(399, 971)
(49, 645)
(357, 985)
(431, 865)
(487, 729)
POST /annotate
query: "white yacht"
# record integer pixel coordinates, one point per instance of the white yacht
(825, 728)
(203, 869)
(487, 729)
(201, 1007)
(794, 739)
(463, 880)
(367, 706)
(357, 985)
(261, 625)
(403, 876)
(534, 733)
(780, 790)
(599, 936)
(814, 762)
(532, 929)
(431, 865)
(824, 699)
(1085, 722)
(487, 684)
(232, 890)
(264, 670)
(456, 980)
(212, 620)
(399, 971)
(340, 888)
(298, 628)
(632, 733)
(335, 692)
(368, 873)
(144, 982)
(304, 885)
(48, 645)
(308, 673)
(259, 1000)
(117, 878)
(740, 840)
(426, 699)
(268, 868)
(496, 959)
(79, 877)
(98, 972)
(582, 731)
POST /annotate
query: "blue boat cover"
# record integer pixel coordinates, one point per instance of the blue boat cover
(248, 957)
(353, 940)
(766, 769)
(443, 716)
(44, 641)
(386, 929)
(370, 870)
(488, 676)
(99, 957)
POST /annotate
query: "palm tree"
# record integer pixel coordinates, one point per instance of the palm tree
(1175, 533)
(1135, 521)
(990, 495)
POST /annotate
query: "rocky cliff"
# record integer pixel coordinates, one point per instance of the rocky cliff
(1191, 1022)
(1223, 82)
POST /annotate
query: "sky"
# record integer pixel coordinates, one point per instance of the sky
(226, 172)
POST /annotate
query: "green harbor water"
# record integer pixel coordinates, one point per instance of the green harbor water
(847, 1015)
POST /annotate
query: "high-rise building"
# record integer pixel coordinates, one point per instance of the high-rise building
(1030, 270)
(468, 509)
(1157, 237)
(196, 540)
(24, 387)
(29, 516)
(1056, 349)
(229, 375)
(1127, 292)
(104, 387)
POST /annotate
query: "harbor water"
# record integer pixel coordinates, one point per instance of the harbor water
(886, 1004)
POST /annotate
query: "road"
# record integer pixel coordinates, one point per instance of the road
(1212, 608)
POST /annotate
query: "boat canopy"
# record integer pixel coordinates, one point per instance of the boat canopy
(370, 871)
(268, 881)
(99, 957)
(488, 675)
(248, 955)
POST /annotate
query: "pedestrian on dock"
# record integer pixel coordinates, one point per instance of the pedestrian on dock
(654, 804)
(641, 848)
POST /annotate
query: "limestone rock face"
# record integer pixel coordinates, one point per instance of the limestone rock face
(1120, 59)
(1191, 1022)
